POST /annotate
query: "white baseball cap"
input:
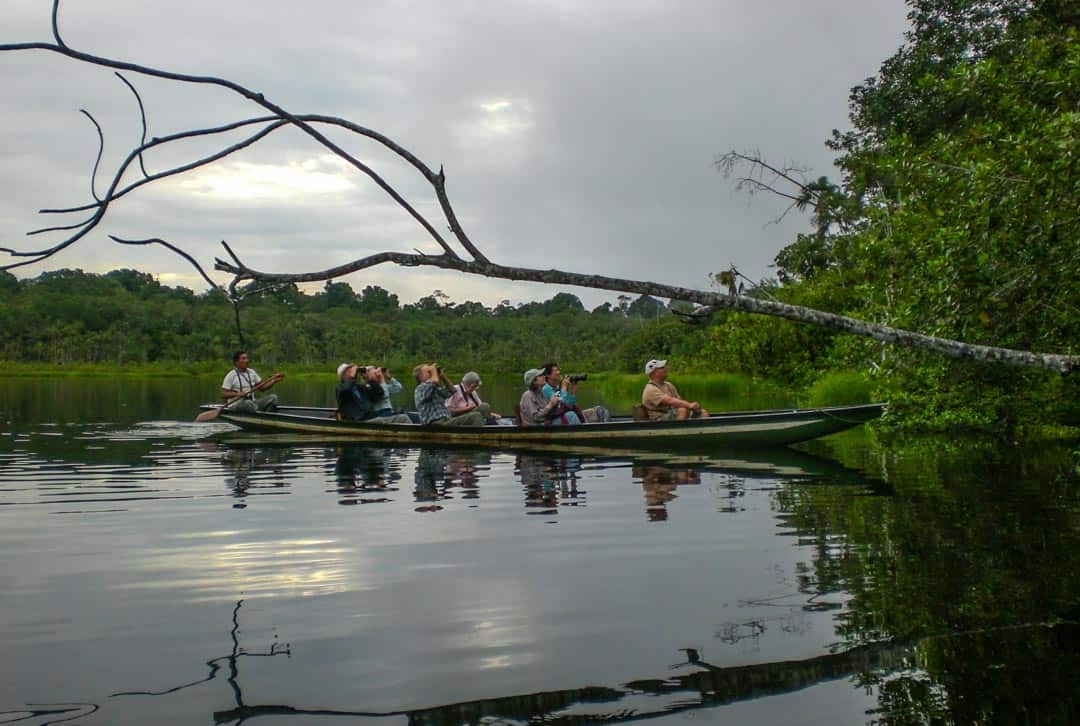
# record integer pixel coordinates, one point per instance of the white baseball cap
(654, 364)
(342, 368)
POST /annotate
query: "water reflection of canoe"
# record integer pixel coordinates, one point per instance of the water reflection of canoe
(744, 428)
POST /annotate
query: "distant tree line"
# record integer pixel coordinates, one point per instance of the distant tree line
(126, 317)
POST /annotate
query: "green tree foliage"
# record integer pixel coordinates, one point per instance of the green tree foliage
(70, 316)
(956, 216)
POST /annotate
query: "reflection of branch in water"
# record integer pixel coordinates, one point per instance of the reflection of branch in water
(215, 664)
(37, 710)
(710, 685)
(732, 633)
(707, 686)
(809, 605)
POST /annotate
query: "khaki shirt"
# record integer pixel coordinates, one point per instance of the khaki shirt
(653, 394)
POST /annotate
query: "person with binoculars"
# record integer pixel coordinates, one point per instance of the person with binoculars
(359, 395)
(432, 391)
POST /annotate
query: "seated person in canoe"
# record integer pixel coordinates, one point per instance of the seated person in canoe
(661, 398)
(567, 387)
(242, 383)
(391, 386)
(536, 410)
(466, 398)
(430, 396)
(358, 391)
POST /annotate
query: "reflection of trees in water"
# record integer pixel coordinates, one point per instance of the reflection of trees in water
(550, 482)
(974, 541)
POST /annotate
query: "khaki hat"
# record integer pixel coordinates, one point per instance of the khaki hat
(531, 374)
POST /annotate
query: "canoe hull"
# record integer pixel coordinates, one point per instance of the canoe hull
(750, 428)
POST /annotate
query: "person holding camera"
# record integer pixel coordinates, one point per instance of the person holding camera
(538, 410)
(242, 383)
(567, 387)
(431, 392)
(359, 392)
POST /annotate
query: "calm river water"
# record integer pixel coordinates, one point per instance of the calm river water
(158, 571)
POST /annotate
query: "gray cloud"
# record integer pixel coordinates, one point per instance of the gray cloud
(578, 135)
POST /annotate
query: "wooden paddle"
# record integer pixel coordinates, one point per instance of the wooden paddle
(213, 413)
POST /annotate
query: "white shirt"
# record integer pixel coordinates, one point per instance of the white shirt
(245, 381)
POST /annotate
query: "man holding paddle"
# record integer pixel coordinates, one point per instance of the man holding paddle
(242, 383)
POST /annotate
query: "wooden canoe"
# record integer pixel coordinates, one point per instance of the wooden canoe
(739, 429)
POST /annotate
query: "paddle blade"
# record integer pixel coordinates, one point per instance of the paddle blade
(208, 415)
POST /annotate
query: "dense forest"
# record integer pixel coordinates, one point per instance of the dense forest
(125, 317)
(954, 213)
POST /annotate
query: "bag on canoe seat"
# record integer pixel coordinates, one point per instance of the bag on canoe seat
(640, 414)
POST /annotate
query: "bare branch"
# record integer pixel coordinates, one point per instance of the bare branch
(43, 230)
(174, 248)
(756, 185)
(100, 151)
(112, 194)
(253, 96)
(726, 165)
(142, 118)
(56, 24)
(185, 167)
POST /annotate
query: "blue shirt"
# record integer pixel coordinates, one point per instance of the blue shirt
(389, 389)
(568, 398)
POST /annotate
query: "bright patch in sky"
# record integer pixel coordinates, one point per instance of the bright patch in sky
(501, 117)
(494, 106)
(243, 180)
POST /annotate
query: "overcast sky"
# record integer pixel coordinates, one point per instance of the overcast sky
(575, 134)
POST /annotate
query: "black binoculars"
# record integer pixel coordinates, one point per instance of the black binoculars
(578, 378)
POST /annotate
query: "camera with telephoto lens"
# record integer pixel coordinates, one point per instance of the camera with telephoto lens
(578, 378)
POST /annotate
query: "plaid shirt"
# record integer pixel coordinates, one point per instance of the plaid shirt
(430, 401)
